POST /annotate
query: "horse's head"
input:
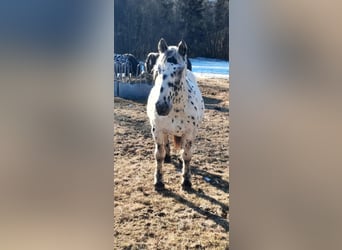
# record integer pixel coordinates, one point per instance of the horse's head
(170, 68)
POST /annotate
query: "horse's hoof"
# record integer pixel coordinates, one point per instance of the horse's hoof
(159, 186)
(186, 185)
(167, 159)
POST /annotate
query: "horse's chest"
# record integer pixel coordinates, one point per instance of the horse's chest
(182, 121)
(174, 124)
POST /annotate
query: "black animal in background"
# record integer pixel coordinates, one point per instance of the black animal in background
(134, 64)
(152, 59)
(126, 63)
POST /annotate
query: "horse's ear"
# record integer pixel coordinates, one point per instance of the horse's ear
(182, 48)
(162, 45)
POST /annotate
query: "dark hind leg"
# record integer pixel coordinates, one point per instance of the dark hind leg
(167, 149)
(186, 158)
(159, 154)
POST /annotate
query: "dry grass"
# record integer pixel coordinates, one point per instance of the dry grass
(172, 219)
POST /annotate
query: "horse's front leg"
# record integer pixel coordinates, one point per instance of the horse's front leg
(186, 158)
(167, 149)
(159, 154)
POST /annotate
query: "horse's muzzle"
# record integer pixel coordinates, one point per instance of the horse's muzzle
(163, 109)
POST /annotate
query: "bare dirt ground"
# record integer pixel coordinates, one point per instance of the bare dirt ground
(172, 219)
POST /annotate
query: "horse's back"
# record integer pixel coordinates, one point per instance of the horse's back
(191, 79)
(190, 76)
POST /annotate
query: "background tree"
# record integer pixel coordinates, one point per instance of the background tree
(203, 24)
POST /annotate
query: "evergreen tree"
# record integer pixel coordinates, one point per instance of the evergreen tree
(222, 27)
(203, 24)
(192, 24)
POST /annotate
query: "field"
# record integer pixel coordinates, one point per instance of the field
(172, 219)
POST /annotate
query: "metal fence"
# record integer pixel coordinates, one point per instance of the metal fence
(124, 72)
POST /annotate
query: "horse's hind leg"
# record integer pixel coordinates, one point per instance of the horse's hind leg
(186, 158)
(159, 154)
(167, 149)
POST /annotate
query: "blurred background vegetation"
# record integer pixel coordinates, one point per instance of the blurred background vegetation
(203, 24)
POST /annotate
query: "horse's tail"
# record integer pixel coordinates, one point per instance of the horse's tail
(177, 142)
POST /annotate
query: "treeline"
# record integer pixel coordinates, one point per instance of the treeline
(203, 24)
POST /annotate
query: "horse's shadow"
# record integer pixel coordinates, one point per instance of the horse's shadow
(215, 180)
(211, 100)
(202, 195)
(218, 108)
(212, 179)
(217, 219)
(212, 103)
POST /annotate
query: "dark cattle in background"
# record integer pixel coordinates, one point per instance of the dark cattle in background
(127, 64)
(133, 63)
(152, 59)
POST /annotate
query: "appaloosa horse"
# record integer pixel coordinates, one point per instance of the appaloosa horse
(175, 107)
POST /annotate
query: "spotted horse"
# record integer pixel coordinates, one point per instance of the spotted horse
(175, 107)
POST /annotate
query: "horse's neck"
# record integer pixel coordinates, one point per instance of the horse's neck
(182, 94)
